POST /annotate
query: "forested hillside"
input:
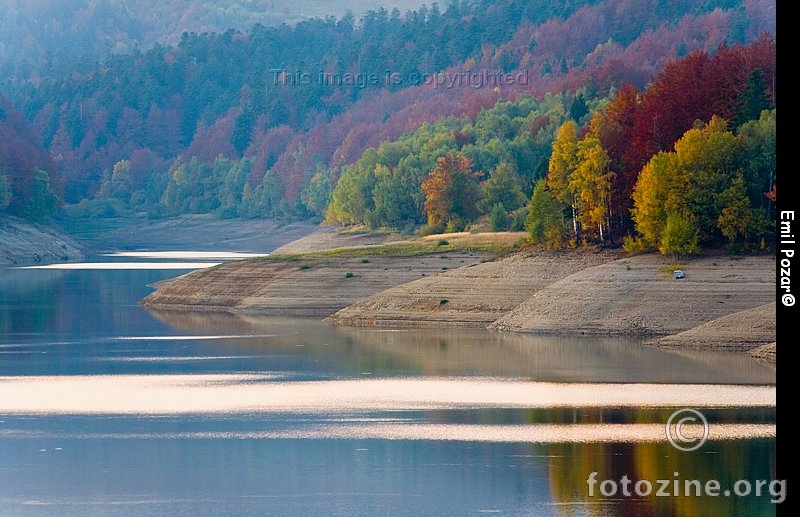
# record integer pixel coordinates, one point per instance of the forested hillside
(53, 35)
(697, 143)
(265, 121)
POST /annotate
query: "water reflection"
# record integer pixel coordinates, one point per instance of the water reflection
(124, 265)
(127, 469)
(151, 260)
(106, 409)
(474, 352)
(169, 394)
(195, 255)
(571, 464)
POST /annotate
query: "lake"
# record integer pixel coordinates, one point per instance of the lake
(107, 409)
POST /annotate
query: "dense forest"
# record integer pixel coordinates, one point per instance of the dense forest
(429, 118)
(56, 36)
(695, 151)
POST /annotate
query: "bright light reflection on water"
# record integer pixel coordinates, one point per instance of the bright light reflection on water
(399, 430)
(166, 260)
(195, 255)
(125, 265)
(176, 394)
(352, 409)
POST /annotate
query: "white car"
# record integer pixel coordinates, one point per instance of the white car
(678, 274)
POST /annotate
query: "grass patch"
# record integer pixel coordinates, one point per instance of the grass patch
(90, 228)
(668, 269)
(415, 248)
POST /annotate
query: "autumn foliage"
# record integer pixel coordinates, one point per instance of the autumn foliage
(451, 192)
(238, 123)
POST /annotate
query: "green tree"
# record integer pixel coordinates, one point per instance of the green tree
(317, 194)
(503, 187)
(397, 196)
(243, 130)
(120, 185)
(5, 192)
(578, 109)
(232, 184)
(266, 200)
(248, 205)
(756, 157)
(706, 155)
(753, 99)
(737, 220)
(680, 235)
(41, 201)
(498, 218)
(545, 219)
(352, 196)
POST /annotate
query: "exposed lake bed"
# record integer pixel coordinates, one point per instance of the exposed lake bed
(478, 280)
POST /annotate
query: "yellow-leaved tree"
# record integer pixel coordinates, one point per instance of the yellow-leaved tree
(591, 184)
(694, 195)
(563, 163)
(656, 194)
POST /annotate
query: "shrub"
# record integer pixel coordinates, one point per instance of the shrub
(498, 218)
(635, 245)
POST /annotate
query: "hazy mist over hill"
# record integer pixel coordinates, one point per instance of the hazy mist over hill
(33, 33)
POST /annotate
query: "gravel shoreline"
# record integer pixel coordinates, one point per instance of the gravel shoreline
(23, 243)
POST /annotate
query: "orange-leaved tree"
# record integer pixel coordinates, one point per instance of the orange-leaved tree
(451, 192)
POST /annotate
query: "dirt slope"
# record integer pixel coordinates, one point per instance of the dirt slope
(315, 287)
(470, 296)
(634, 296)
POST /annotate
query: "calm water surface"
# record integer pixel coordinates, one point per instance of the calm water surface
(107, 409)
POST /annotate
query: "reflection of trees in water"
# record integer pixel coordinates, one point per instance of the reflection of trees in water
(570, 465)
